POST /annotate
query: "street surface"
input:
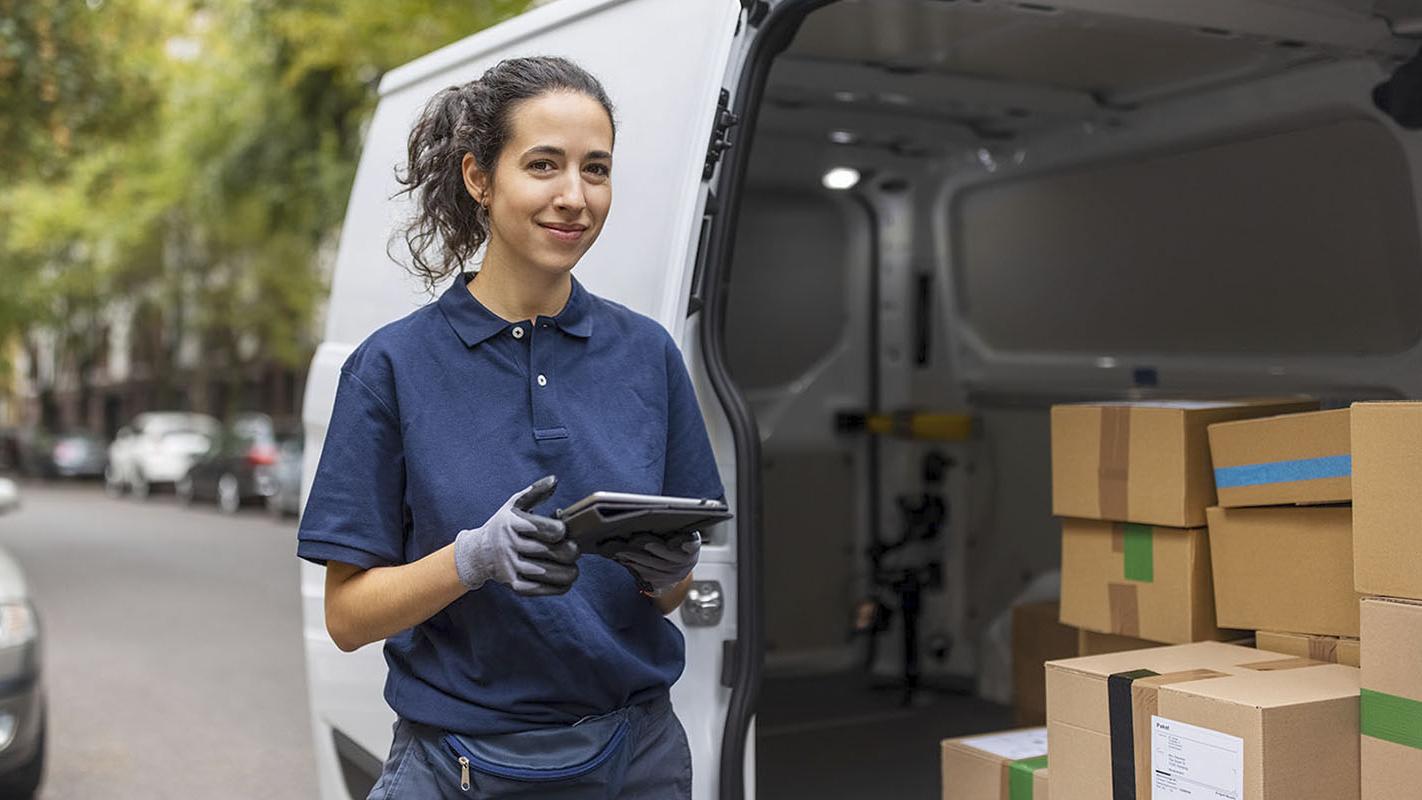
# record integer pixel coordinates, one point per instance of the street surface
(172, 647)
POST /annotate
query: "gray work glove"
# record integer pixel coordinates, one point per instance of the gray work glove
(659, 563)
(529, 553)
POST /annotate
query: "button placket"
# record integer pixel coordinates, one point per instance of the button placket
(543, 398)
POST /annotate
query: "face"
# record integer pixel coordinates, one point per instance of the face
(552, 185)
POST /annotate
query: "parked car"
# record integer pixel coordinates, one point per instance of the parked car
(22, 692)
(157, 447)
(74, 453)
(285, 499)
(240, 467)
(9, 495)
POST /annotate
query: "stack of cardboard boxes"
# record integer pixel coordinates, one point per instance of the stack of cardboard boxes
(1131, 482)
(1200, 718)
(1282, 533)
(1387, 561)
(1315, 536)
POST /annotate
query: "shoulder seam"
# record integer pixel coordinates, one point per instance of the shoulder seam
(362, 384)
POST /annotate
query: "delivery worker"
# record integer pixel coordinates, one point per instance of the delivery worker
(516, 668)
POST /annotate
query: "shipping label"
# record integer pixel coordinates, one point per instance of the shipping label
(1193, 763)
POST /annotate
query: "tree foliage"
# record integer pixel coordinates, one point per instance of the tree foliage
(191, 158)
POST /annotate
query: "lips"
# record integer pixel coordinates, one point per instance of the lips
(562, 232)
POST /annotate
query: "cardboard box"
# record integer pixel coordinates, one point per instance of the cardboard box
(1091, 643)
(1329, 649)
(1104, 714)
(1284, 568)
(1284, 731)
(1391, 707)
(1138, 580)
(1079, 710)
(1293, 459)
(1037, 637)
(1145, 462)
(1387, 506)
(996, 766)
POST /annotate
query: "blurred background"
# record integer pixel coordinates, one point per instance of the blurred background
(173, 177)
(173, 180)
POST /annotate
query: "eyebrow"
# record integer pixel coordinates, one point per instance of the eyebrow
(548, 149)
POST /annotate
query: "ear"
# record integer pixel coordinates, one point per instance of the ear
(476, 181)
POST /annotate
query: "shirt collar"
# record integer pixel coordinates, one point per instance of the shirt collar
(474, 322)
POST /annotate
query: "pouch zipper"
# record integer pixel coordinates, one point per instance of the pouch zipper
(467, 759)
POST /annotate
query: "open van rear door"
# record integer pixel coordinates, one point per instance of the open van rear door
(663, 63)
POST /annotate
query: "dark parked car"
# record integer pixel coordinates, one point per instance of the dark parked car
(75, 453)
(239, 468)
(22, 687)
(285, 499)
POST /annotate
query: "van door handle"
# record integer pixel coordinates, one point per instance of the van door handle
(703, 605)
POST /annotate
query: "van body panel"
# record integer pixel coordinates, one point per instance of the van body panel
(662, 65)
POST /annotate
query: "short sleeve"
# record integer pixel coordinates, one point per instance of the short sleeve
(690, 464)
(355, 512)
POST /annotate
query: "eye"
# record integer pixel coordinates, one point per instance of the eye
(542, 165)
(599, 169)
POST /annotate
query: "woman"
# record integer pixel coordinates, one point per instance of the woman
(517, 668)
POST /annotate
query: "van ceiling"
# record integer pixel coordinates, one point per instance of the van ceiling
(924, 76)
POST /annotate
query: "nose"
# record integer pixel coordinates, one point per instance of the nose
(570, 195)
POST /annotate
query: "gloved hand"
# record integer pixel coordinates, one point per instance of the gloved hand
(660, 563)
(529, 553)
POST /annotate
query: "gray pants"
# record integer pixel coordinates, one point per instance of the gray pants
(640, 753)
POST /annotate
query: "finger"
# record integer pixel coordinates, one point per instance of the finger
(544, 529)
(564, 552)
(541, 490)
(661, 550)
(546, 571)
(536, 589)
(644, 561)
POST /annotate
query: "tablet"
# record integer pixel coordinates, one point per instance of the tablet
(603, 520)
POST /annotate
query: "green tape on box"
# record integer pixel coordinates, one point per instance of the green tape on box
(1139, 541)
(1019, 777)
(1391, 718)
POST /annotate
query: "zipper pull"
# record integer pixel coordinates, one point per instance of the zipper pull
(463, 774)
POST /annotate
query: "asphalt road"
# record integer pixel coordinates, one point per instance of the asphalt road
(172, 647)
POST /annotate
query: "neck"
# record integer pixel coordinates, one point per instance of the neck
(516, 294)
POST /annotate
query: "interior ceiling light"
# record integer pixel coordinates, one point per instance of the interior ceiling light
(847, 97)
(840, 178)
(843, 137)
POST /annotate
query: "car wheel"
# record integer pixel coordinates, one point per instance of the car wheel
(229, 494)
(138, 488)
(23, 781)
(184, 490)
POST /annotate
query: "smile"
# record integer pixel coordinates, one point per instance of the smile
(562, 234)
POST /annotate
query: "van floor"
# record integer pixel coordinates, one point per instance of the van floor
(839, 736)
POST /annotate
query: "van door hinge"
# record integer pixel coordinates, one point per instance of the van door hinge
(755, 11)
(720, 139)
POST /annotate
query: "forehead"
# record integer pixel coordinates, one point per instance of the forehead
(569, 120)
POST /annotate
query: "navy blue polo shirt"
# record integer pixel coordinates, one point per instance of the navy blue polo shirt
(439, 418)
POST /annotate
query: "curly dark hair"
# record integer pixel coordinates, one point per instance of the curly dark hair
(448, 226)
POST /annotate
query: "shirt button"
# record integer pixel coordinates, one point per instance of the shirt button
(542, 381)
(518, 332)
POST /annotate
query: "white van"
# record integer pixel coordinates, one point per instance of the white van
(1032, 202)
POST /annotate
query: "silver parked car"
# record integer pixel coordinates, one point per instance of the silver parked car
(22, 694)
(157, 447)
